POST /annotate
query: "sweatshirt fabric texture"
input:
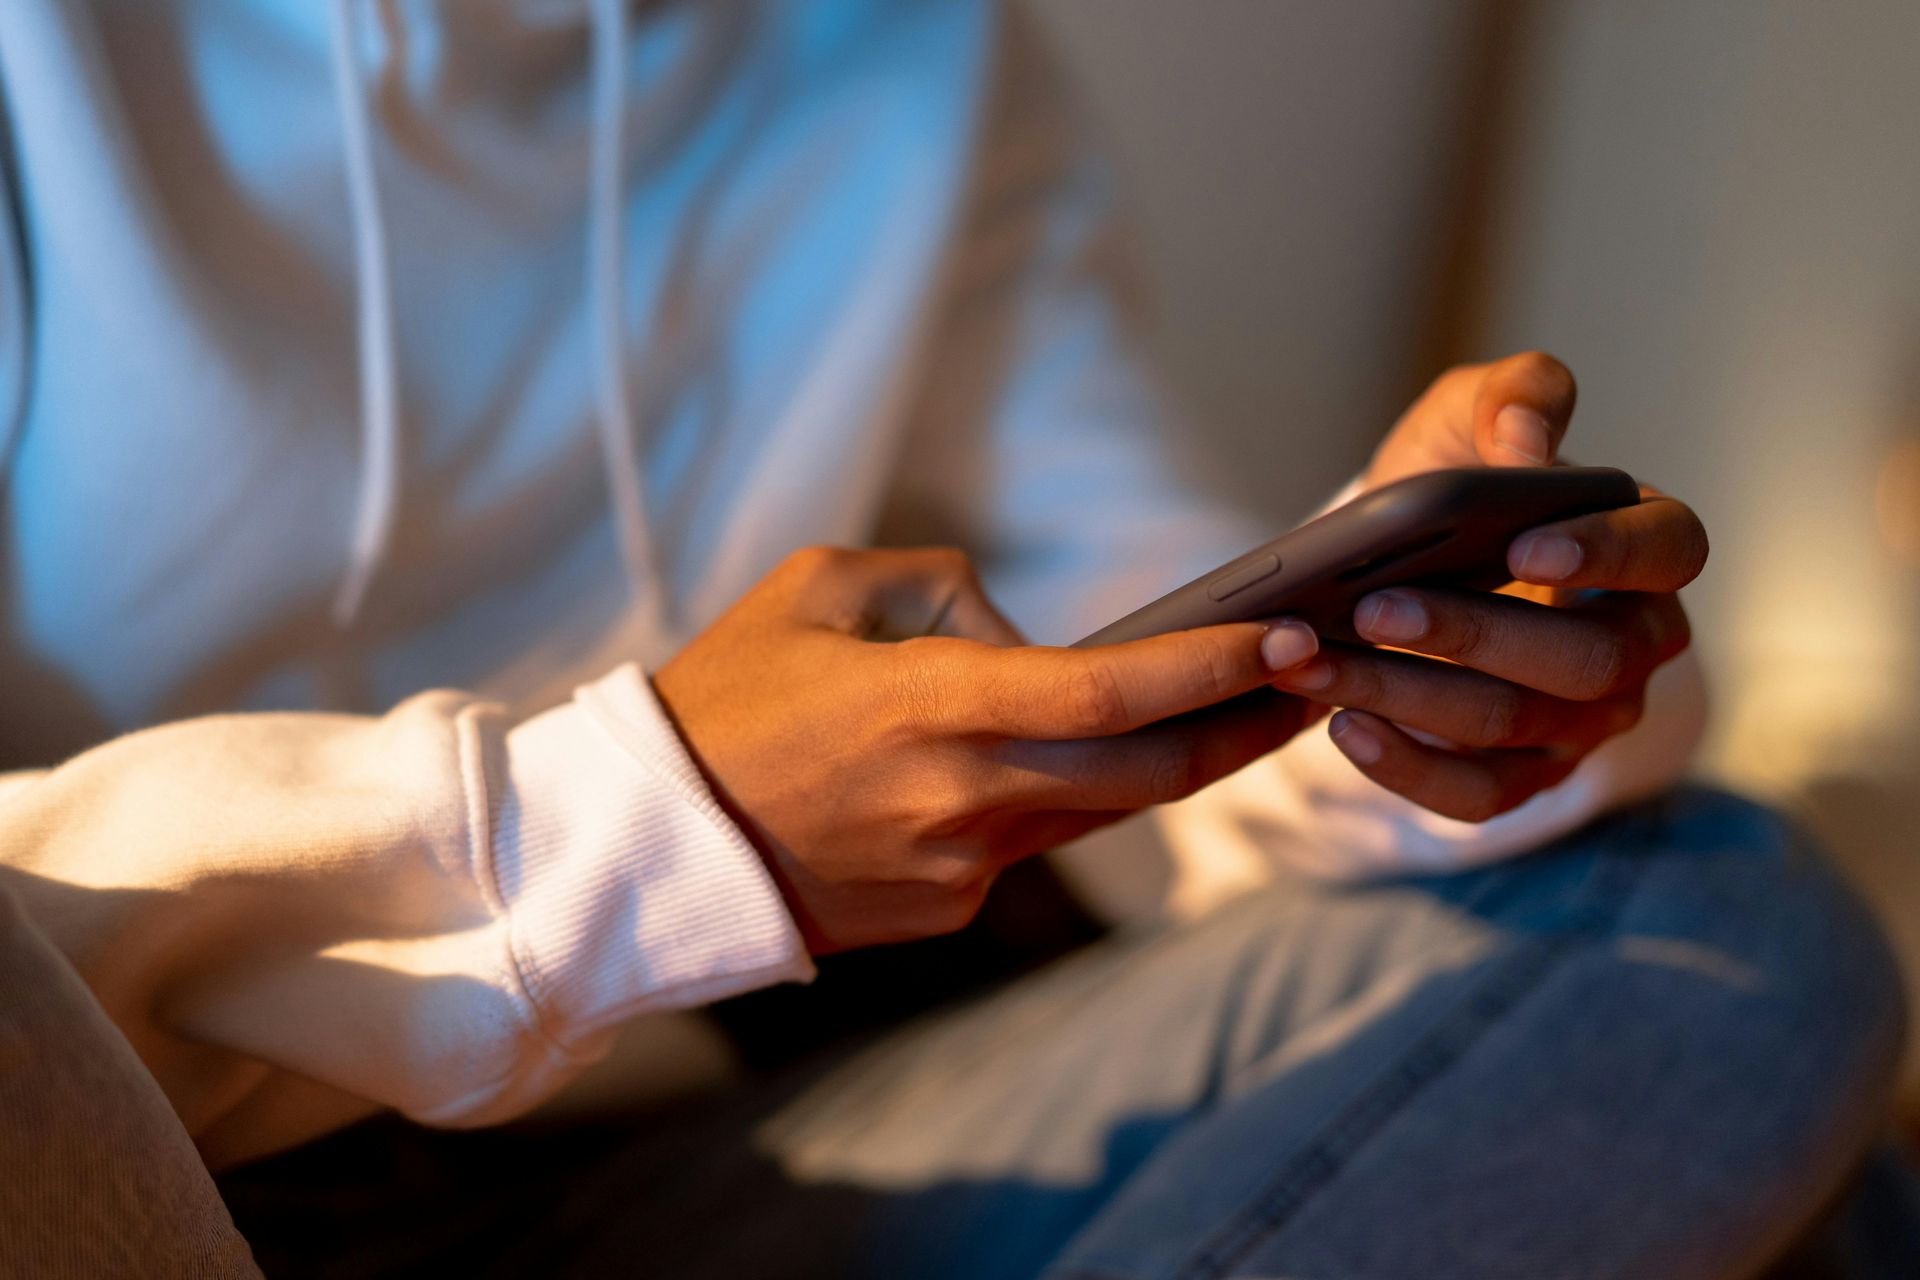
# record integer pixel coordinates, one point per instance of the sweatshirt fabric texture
(352, 354)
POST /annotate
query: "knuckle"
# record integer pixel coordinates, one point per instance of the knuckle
(1650, 641)
(1094, 701)
(808, 563)
(1359, 683)
(1385, 690)
(953, 563)
(1604, 558)
(1663, 629)
(1696, 547)
(963, 790)
(1175, 772)
(1648, 635)
(1676, 631)
(954, 875)
(1627, 713)
(922, 688)
(1475, 806)
(956, 910)
(1460, 633)
(1500, 718)
(1546, 368)
(1457, 377)
(950, 802)
(1602, 669)
(952, 573)
(807, 559)
(1546, 377)
(1215, 669)
(1482, 799)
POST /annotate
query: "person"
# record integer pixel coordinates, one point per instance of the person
(353, 354)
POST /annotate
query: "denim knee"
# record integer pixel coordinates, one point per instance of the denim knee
(1740, 894)
(1744, 877)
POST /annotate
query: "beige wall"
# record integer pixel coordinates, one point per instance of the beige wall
(1278, 161)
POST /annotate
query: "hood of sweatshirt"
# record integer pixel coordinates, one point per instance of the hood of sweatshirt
(355, 347)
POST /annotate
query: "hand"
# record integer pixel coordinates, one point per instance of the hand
(1533, 678)
(888, 743)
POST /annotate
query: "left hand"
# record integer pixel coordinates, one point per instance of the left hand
(1535, 677)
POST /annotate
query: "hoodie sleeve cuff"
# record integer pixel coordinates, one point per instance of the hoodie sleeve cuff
(626, 887)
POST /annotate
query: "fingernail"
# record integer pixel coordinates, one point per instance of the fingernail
(1317, 674)
(1522, 433)
(1358, 743)
(1545, 557)
(1389, 615)
(1288, 644)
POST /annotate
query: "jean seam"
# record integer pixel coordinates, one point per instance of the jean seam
(1442, 1047)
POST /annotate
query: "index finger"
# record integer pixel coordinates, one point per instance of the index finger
(1658, 546)
(1116, 688)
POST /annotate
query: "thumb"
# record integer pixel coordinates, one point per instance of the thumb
(1521, 410)
(969, 614)
(894, 594)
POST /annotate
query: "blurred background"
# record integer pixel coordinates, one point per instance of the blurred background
(1710, 209)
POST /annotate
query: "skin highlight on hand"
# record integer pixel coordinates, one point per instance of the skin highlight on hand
(889, 743)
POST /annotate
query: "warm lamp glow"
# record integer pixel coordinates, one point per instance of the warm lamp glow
(1897, 500)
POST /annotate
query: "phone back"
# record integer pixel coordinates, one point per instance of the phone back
(1440, 527)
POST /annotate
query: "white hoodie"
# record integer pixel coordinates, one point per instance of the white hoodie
(353, 350)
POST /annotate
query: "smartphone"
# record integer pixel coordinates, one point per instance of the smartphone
(1448, 528)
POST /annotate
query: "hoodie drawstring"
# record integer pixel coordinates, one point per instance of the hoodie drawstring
(606, 276)
(373, 278)
(606, 293)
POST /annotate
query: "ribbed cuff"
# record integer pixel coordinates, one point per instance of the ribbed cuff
(626, 886)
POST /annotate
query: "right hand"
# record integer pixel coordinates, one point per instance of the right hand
(889, 743)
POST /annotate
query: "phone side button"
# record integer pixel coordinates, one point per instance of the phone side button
(1233, 581)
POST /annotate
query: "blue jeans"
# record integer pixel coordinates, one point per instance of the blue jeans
(1657, 1049)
